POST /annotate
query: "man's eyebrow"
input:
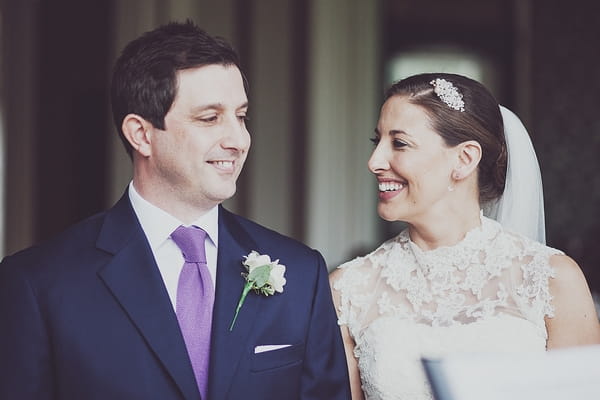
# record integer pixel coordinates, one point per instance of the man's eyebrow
(211, 106)
(215, 106)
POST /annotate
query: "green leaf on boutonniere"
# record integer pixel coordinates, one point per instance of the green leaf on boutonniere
(260, 276)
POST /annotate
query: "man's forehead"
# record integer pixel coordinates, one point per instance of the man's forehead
(214, 84)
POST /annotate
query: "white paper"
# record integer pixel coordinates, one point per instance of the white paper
(564, 374)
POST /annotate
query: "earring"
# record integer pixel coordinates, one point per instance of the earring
(455, 176)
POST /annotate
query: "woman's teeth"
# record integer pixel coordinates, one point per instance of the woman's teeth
(390, 186)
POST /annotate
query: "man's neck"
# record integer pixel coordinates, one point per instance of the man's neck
(166, 200)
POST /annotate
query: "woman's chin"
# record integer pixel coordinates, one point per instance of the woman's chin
(388, 214)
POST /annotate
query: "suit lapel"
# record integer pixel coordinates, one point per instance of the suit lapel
(228, 346)
(135, 281)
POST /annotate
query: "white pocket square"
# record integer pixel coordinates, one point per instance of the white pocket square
(269, 347)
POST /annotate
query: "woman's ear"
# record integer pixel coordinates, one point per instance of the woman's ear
(138, 132)
(469, 155)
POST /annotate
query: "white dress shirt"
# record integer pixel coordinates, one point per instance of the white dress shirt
(158, 226)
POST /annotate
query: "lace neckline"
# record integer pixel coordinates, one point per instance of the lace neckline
(459, 255)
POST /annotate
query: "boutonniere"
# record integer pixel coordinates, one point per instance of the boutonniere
(262, 275)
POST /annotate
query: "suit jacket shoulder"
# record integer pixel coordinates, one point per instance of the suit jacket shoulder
(267, 238)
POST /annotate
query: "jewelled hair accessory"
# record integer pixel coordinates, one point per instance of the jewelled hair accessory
(448, 93)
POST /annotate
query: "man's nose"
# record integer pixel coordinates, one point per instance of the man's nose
(236, 135)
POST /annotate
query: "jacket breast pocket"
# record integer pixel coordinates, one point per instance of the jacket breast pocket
(279, 358)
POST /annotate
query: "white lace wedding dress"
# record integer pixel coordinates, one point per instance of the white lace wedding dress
(487, 293)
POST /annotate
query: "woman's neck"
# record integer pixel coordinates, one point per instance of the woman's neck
(444, 228)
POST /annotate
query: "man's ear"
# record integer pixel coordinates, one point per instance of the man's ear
(138, 132)
(469, 155)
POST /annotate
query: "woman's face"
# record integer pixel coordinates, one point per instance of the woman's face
(412, 163)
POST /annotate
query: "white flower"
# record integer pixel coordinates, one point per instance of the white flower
(254, 260)
(263, 275)
(276, 278)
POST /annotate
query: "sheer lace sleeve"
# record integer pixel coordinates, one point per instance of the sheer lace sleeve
(353, 292)
(531, 278)
(357, 286)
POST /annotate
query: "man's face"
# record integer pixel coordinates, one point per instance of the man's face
(197, 159)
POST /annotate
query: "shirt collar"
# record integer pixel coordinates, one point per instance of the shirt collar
(158, 224)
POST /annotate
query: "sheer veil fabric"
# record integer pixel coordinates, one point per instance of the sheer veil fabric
(521, 207)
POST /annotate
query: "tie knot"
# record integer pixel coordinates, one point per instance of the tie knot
(190, 241)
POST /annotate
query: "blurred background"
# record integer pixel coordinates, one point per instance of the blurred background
(317, 72)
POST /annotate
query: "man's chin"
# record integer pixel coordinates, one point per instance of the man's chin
(223, 195)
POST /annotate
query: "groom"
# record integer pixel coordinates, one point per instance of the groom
(138, 302)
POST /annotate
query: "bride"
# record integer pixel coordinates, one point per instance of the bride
(470, 272)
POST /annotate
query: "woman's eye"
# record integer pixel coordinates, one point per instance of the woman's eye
(374, 140)
(244, 118)
(398, 143)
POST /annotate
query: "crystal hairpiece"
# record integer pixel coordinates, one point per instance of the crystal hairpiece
(448, 93)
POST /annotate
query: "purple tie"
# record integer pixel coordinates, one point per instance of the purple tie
(195, 299)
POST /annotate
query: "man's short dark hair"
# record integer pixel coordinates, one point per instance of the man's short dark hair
(144, 78)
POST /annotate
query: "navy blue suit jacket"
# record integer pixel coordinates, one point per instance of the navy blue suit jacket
(87, 316)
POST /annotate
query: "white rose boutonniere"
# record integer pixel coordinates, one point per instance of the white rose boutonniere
(262, 275)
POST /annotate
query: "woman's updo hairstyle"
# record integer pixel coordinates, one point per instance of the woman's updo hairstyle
(477, 118)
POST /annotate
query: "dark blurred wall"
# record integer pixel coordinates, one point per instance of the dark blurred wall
(71, 123)
(55, 99)
(486, 28)
(566, 126)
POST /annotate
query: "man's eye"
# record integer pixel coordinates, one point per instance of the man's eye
(212, 118)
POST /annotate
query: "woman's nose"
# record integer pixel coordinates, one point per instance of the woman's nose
(378, 161)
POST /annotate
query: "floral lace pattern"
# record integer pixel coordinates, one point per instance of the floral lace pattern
(489, 292)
